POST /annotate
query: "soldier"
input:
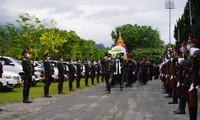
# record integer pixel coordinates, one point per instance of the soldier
(144, 71)
(122, 69)
(61, 72)
(72, 74)
(48, 75)
(109, 69)
(130, 69)
(187, 65)
(180, 80)
(79, 69)
(99, 70)
(102, 65)
(173, 81)
(93, 71)
(27, 68)
(1, 72)
(193, 99)
(87, 72)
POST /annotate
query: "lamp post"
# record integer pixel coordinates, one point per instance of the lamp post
(169, 4)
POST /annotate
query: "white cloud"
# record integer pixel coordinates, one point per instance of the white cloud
(95, 19)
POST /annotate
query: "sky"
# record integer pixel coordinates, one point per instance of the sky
(95, 19)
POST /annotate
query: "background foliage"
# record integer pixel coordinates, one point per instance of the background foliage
(183, 23)
(141, 41)
(41, 37)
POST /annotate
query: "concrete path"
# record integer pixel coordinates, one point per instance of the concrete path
(135, 103)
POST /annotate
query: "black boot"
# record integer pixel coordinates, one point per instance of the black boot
(180, 111)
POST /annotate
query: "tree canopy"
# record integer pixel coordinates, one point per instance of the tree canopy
(41, 37)
(183, 23)
(141, 41)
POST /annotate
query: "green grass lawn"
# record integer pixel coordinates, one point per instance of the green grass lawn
(16, 94)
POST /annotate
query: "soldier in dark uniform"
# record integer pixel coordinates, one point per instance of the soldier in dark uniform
(181, 78)
(72, 74)
(1, 84)
(1, 72)
(87, 72)
(144, 71)
(130, 69)
(99, 70)
(61, 72)
(79, 69)
(109, 69)
(123, 66)
(193, 43)
(48, 75)
(27, 68)
(173, 79)
(92, 71)
(102, 66)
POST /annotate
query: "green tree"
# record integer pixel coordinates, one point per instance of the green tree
(141, 41)
(183, 23)
(136, 36)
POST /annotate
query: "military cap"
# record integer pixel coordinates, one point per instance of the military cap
(77, 59)
(46, 55)
(183, 44)
(176, 49)
(25, 51)
(129, 55)
(69, 59)
(192, 39)
(61, 56)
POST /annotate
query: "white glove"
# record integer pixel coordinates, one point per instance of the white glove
(180, 60)
(1, 80)
(191, 87)
(75, 75)
(192, 50)
(133, 73)
(198, 86)
(53, 76)
(65, 76)
(33, 77)
(178, 84)
(171, 59)
(171, 77)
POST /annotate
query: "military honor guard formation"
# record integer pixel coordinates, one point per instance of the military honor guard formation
(180, 76)
(116, 68)
(178, 72)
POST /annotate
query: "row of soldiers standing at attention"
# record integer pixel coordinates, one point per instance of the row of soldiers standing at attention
(75, 73)
(180, 75)
(114, 70)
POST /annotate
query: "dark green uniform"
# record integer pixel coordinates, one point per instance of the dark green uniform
(79, 69)
(93, 72)
(87, 73)
(48, 77)
(1, 72)
(72, 76)
(27, 68)
(129, 77)
(144, 71)
(99, 70)
(61, 72)
(109, 69)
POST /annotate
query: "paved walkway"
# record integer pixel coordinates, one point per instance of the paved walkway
(136, 103)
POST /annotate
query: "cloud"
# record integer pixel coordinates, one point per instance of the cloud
(95, 19)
